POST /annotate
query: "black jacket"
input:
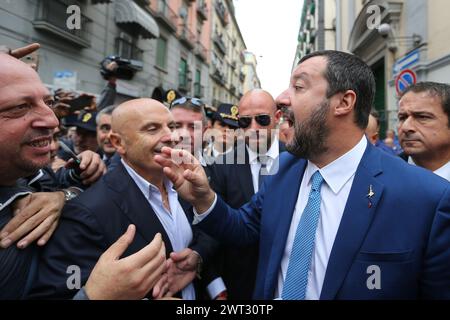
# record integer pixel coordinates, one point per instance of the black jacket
(92, 222)
(234, 184)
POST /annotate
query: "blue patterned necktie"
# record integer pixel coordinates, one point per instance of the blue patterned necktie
(300, 260)
(263, 160)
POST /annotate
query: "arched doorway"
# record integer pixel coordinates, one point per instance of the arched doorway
(370, 46)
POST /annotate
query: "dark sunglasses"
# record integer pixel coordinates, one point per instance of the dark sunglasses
(195, 101)
(261, 119)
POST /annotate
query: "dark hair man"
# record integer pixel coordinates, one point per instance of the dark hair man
(341, 219)
(424, 126)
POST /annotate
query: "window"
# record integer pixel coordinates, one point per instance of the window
(161, 53)
(126, 47)
(197, 86)
(199, 28)
(183, 74)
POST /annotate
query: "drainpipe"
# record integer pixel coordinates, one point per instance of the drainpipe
(338, 26)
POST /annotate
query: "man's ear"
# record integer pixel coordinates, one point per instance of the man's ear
(347, 103)
(278, 115)
(117, 142)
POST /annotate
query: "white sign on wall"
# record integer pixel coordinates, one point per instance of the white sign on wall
(65, 79)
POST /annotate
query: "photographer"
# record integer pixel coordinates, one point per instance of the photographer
(108, 94)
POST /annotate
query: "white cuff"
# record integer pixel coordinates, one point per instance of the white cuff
(199, 217)
(215, 287)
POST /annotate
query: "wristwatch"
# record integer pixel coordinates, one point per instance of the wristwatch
(199, 267)
(69, 194)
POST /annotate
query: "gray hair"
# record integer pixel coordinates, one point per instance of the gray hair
(108, 111)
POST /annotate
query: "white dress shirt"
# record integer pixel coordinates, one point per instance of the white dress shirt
(255, 166)
(443, 171)
(338, 179)
(175, 222)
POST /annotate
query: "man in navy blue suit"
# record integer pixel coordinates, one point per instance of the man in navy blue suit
(341, 219)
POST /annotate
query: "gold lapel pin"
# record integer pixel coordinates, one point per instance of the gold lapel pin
(370, 195)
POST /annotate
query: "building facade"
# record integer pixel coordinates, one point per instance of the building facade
(226, 54)
(191, 46)
(414, 35)
(249, 72)
(317, 27)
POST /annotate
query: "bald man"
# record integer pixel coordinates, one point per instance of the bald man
(237, 182)
(137, 192)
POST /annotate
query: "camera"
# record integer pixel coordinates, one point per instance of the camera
(126, 68)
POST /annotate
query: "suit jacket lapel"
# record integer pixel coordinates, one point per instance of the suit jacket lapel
(135, 206)
(283, 208)
(356, 220)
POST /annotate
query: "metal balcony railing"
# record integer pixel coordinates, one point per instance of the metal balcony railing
(242, 76)
(202, 9)
(218, 41)
(219, 76)
(201, 51)
(187, 36)
(222, 12)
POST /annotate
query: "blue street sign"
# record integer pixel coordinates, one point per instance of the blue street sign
(406, 78)
(406, 62)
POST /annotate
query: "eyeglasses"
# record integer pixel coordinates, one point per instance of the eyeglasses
(195, 101)
(261, 119)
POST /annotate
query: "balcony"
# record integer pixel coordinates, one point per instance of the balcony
(219, 76)
(202, 10)
(242, 76)
(51, 16)
(222, 12)
(200, 51)
(164, 14)
(199, 90)
(232, 89)
(220, 44)
(187, 37)
(143, 3)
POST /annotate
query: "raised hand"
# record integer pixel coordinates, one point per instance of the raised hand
(187, 176)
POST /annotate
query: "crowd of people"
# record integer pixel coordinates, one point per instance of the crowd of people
(290, 198)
